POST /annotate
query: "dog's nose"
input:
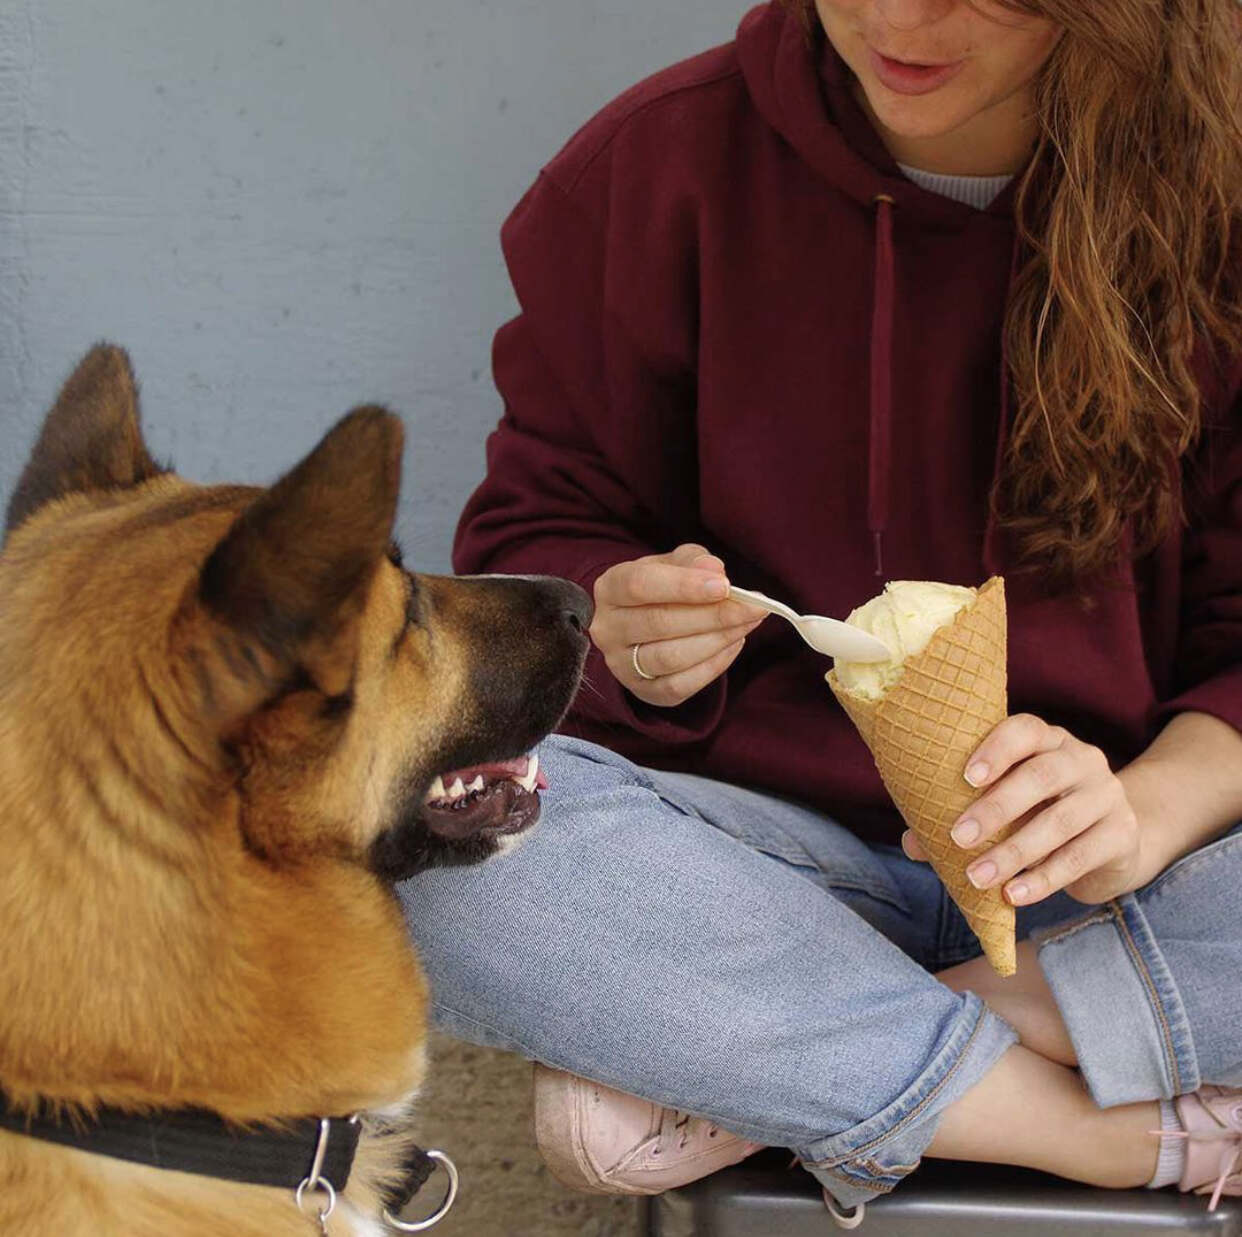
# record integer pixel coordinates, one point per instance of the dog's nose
(573, 604)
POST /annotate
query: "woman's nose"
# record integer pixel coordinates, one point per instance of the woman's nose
(911, 14)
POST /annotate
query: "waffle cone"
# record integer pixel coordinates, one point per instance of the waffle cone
(921, 734)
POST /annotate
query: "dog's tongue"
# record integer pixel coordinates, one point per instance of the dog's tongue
(516, 768)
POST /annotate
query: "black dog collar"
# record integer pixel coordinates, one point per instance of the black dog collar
(304, 1154)
(190, 1140)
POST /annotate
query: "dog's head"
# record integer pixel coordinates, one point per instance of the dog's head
(257, 664)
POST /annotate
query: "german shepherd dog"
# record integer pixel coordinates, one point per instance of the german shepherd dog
(229, 719)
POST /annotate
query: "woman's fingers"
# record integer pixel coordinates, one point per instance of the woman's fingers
(1057, 825)
(679, 685)
(1033, 782)
(691, 554)
(672, 606)
(913, 847)
(664, 579)
(1123, 873)
(1099, 856)
(665, 658)
(1031, 765)
(1019, 736)
(661, 623)
(1072, 826)
(664, 623)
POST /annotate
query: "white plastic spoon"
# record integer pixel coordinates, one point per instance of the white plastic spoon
(824, 635)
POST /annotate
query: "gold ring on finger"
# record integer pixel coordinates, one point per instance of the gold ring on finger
(638, 670)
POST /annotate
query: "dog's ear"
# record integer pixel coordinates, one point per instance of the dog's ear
(91, 439)
(291, 576)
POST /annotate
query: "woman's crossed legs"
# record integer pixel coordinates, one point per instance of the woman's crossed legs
(743, 958)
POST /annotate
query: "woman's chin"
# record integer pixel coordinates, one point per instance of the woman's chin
(914, 118)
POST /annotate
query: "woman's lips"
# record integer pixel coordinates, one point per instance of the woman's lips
(912, 79)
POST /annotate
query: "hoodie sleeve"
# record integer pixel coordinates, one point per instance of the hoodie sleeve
(1209, 655)
(594, 460)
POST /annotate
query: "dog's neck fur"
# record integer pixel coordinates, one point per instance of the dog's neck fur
(208, 997)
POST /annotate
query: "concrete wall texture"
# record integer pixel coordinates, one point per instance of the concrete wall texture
(284, 208)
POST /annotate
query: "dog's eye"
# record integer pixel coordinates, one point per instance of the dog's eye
(413, 603)
(413, 616)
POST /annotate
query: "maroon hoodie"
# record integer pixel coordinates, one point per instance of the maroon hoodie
(741, 325)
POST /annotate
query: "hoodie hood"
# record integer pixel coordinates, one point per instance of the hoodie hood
(806, 92)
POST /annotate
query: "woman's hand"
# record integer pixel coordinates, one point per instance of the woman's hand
(673, 607)
(1076, 829)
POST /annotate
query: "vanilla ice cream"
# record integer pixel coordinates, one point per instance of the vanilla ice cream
(905, 616)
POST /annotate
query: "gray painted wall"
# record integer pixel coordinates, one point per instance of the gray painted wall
(284, 208)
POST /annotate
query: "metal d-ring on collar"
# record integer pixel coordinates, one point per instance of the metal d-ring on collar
(313, 1181)
(419, 1226)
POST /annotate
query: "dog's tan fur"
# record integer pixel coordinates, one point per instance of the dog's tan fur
(210, 701)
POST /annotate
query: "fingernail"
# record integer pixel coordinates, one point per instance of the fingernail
(981, 874)
(967, 833)
(714, 589)
(1018, 891)
(977, 774)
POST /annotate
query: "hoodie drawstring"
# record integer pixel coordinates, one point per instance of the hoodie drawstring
(881, 425)
(879, 460)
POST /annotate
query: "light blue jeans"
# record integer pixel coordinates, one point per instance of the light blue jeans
(744, 958)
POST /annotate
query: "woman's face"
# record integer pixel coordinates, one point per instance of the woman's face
(949, 77)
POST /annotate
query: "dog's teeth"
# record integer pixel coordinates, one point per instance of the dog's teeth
(437, 790)
(528, 779)
(456, 790)
(477, 784)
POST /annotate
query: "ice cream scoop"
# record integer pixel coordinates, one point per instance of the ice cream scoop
(824, 635)
(904, 616)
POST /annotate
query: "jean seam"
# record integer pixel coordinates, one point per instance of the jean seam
(518, 1045)
(956, 940)
(887, 1170)
(942, 929)
(1153, 994)
(871, 1183)
(632, 773)
(1059, 934)
(865, 887)
(854, 1156)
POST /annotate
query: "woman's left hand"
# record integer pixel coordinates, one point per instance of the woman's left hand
(1075, 828)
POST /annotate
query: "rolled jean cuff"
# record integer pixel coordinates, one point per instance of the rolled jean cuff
(872, 1157)
(1120, 1005)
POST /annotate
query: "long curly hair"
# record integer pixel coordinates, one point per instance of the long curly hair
(1130, 215)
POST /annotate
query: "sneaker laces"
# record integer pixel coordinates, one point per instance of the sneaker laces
(1230, 1155)
(676, 1124)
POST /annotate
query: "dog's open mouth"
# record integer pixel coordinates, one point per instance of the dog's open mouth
(498, 798)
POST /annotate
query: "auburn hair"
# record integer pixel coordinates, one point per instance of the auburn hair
(1130, 279)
